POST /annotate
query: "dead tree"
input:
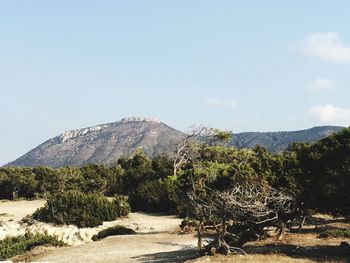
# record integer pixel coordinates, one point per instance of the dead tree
(298, 211)
(237, 216)
(185, 150)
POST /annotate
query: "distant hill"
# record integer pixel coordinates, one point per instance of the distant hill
(279, 141)
(105, 143)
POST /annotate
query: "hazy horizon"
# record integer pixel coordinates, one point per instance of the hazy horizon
(234, 65)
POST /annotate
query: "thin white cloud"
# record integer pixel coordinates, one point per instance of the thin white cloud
(330, 114)
(319, 85)
(220, 102)
(327, 46)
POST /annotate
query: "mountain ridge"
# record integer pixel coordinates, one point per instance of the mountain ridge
(279, 140)
(105, 143)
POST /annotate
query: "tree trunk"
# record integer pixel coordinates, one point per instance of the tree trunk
(301, 225)
(282, 231)
(199, 232)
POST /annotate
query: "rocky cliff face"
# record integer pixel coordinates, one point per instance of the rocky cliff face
(103, 143)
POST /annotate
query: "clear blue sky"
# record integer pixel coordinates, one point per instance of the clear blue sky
(237, 65)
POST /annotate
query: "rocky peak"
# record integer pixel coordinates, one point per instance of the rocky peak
(139, 119)
(80, 132)
(70, 134)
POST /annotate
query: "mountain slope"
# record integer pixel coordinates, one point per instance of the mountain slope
(278, 141)
(103, 143)
(107, 142)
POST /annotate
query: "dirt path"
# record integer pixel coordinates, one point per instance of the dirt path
(158, 239)
(154, 246)
(163, 247)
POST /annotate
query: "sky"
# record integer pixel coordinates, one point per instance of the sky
(235, 65)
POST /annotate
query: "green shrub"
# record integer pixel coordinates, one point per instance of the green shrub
(12, 246)
(122, 204)
(113, 231)
(151, 196)
(343, 233)
(82, 210)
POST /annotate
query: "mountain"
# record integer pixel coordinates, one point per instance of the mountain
(105, 143)
(279, 141)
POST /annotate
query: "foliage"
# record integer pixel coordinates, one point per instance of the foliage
(151, 196)
(321, 171)
(82, 210)
(146, 182)
(113, 231)
(41, 181)
(12, 246)
(343, 233)
(317, 174)
(122, 205)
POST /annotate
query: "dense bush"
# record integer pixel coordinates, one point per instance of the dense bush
(321, 171)
(12, 246)
(82, 210)
(41, 181)
(151, 196)
(113, 231)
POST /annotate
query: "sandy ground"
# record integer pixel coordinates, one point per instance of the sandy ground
(157, 240)
(163, 247)
(303, 247)
(16, 210)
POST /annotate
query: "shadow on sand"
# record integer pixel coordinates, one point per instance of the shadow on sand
(181, 255)
(318, 253)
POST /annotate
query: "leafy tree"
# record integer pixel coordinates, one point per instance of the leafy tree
(151, 196)
(7, 185)
(94, 178)
(162, 166)
(115, 179)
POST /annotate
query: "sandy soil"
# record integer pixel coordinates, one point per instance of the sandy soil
(163, 247)
(157, 240)
(303, 247)
(16, 210)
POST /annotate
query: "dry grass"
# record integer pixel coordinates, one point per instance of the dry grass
(29, 255)
(305, 246)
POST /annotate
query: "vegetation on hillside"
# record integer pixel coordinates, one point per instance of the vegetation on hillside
(315, 176)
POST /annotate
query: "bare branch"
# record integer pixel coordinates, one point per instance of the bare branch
(244, 209)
